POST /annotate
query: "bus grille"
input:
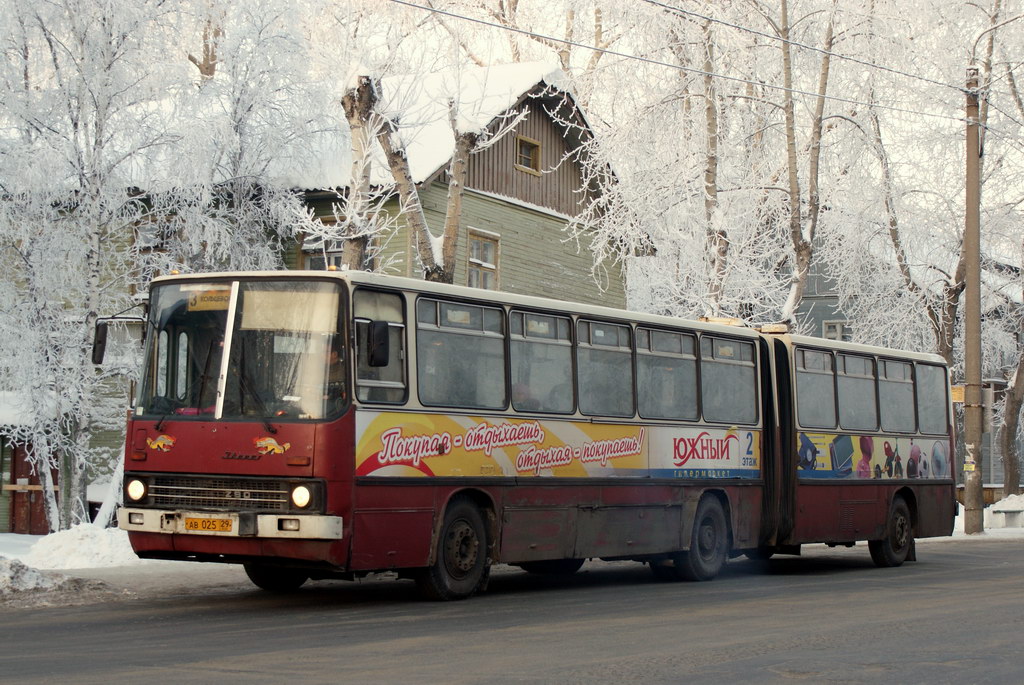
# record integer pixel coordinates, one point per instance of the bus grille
(197, 492)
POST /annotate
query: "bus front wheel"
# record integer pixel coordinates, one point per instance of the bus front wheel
(460, 566)
(894, 548)
(709, 543)
(276, 579)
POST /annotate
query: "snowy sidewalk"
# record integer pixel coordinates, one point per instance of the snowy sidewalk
(87, 564)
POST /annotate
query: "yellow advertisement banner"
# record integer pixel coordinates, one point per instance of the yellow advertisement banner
(418, 445)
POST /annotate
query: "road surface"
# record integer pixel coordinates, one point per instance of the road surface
(954, 616)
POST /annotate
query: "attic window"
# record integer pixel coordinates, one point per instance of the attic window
(528, 155)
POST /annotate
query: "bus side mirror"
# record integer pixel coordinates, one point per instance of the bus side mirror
(379, 344)
(127, 329)
(99, 342)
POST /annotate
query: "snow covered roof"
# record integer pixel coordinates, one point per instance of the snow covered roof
(420, 106)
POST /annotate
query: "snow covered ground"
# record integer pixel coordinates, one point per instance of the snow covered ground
(30, 565)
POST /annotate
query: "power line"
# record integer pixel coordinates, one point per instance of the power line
(855, 60)
(676, 67)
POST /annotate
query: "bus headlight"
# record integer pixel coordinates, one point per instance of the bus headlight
(135, 489)
(301, 496)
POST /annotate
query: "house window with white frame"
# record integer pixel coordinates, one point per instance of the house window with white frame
(319, 253)
(483, 260)
(317, 261)
(837, 330)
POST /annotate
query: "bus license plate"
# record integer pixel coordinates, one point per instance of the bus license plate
(209, 525)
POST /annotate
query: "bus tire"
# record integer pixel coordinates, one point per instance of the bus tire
(460, 565)
(277, 579)
(709, 543)
(552, 567)
(894, 548)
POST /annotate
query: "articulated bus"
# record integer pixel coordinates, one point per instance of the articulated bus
(334, 424)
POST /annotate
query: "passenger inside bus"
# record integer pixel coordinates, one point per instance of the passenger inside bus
(522, 400)
(335, 376)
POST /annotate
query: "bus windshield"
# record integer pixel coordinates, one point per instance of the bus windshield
(286, 358)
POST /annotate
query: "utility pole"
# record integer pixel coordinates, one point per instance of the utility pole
(974, 500)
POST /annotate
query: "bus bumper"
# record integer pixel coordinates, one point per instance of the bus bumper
(228, 524)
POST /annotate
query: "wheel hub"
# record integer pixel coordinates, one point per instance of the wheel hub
(899, 533)
(461, 549)
(706, 539)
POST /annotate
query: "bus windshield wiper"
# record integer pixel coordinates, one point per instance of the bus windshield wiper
(261, 406)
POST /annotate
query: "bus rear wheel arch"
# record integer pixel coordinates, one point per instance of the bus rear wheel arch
(710, 540)
(898, 544)
(461, 559)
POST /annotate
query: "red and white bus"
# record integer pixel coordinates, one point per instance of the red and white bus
(334, 424)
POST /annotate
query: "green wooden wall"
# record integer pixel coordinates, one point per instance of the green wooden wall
(536, 256)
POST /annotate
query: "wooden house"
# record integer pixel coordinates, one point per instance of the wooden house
(521, 193)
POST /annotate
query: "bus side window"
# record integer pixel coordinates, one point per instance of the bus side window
(815, 389)
(460, 354)
(855, 382)
(728, 383)
(385, 383)
(605, 357)
(896, 396)
(932, 403)
(666, 366)
(541, 362)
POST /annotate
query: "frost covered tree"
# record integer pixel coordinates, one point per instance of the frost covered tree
(247, 115)
(79, 113)
(720, 145)
(116, 164)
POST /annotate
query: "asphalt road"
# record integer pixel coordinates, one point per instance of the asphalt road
(954, 616)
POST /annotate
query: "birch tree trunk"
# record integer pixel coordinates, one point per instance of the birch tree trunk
(717, 239)
(431, 260)
(801, 239)
(50, 505)
(359, 104)
(458, 171)
(941, 313)
(801, 247)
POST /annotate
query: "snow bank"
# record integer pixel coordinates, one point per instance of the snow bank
(23, 586)
(1011, 502)
(17, 577)
(82, 546)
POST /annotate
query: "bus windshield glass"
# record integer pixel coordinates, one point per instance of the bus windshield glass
(286, 358)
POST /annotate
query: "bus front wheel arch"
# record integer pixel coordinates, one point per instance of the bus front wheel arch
(460, 563)
(276, 579)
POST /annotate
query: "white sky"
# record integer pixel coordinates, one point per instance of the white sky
(420, 104)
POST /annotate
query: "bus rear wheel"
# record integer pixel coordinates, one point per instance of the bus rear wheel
(709, 546)
(460, 565)
(277, 579)
(894, 548)
(552, 567)
(709, 543)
